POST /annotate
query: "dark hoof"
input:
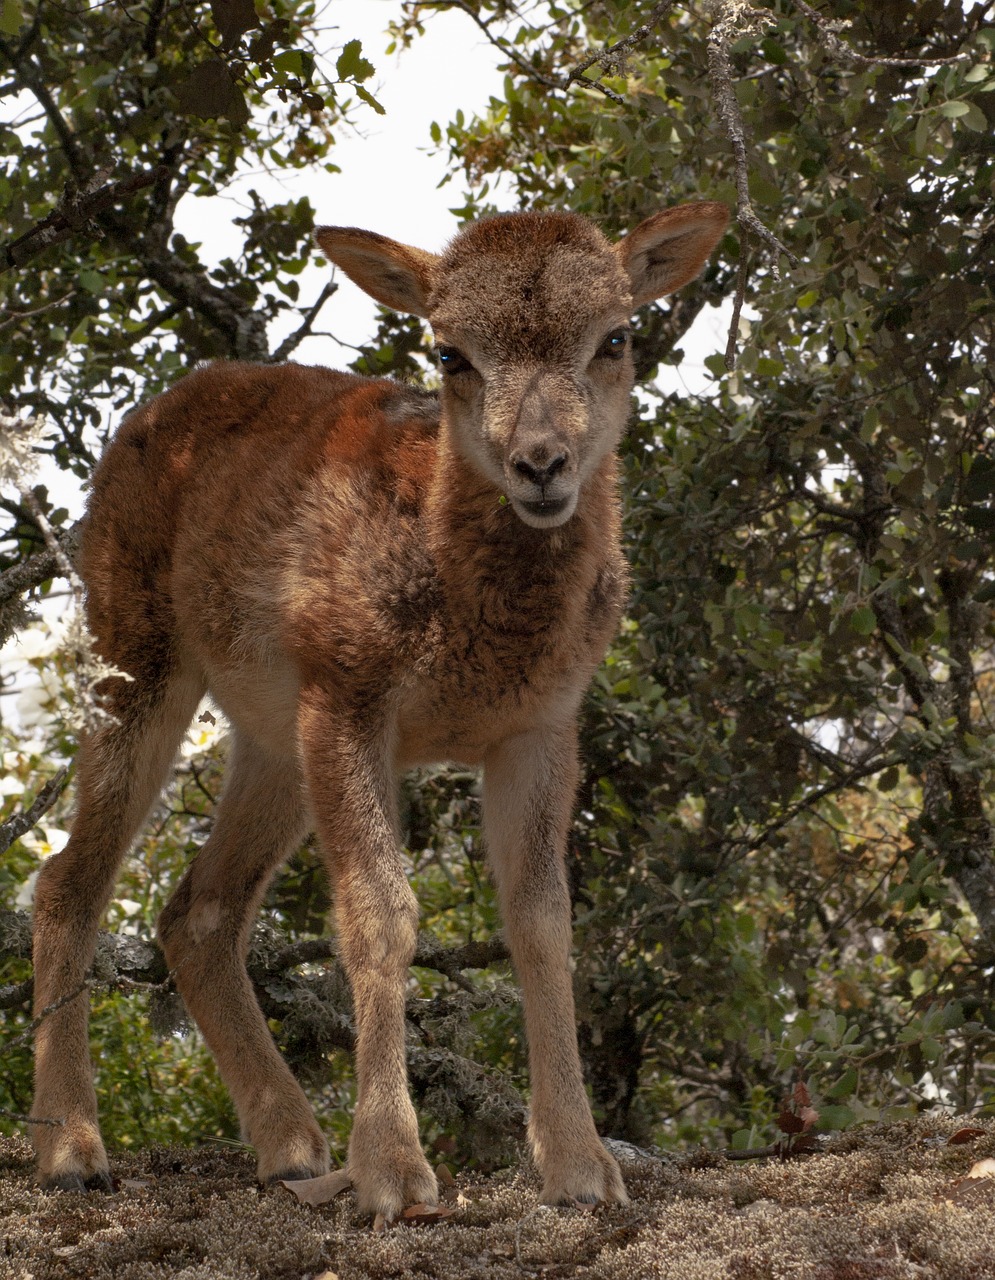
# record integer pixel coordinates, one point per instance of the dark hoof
(76, 1182)
(293, 1175)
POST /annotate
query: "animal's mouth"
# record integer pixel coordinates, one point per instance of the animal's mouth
(545, 513)
(546, 508)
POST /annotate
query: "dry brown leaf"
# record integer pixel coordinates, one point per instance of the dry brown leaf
(808, 1116)
(415, 1215)
(424, 1215)
(318, 1191)
(967, 1134)
(448, 1191)
(974, 1188)
(133, 1184)
(788, 1122)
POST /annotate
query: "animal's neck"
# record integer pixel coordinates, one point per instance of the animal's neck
(470, 523)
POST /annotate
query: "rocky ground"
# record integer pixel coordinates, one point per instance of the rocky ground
(882, 1203)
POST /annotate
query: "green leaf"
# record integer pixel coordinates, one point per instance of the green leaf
(207, 92)
(291, 61)
(845, 1085)
(952, 110)
(863, 620)
(351, 65)
(888, 780)
(974, 118)
(11, 17)
(836, 1117)
(233, 18)
(369, 99)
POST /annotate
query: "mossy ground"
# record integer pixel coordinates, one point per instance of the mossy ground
(878, 1204)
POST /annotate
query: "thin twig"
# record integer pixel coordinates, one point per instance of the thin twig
(64, 564)
(608, 58)
(524, 1266)
(21, 1119)
(36, 1022)
(15, 317)
(294, 340)
(91, 670)
(17, 994)
(840, 49)
(742, 276)
(16, 826)
(720, 68)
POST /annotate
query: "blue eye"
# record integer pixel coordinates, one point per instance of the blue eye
(453, 361)
(613, 347)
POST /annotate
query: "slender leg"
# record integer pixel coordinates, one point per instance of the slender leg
(205, 930)
(121, 770)
(529, 787)
(352, 786)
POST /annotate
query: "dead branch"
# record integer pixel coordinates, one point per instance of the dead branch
(17, 995)
(610, 59)
(730, 27)
(38, 568)
(293, 340)
(837, 48)
(21, 1119)
(74, 213)
(20, 823)
(24, 1036)
(315, 1013)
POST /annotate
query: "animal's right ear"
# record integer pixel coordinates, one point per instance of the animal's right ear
(397, 275)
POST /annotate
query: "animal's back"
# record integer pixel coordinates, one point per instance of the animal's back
(198, 499)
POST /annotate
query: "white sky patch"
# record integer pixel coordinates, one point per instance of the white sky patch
(389, 182)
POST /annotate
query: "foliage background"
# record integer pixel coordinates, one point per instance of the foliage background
(782, 860)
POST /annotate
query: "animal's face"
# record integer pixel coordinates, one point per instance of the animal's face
(530, 314)
(532, 335)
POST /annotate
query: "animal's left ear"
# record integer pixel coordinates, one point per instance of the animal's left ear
(670, 248)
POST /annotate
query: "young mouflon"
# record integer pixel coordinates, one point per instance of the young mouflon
(366, 578)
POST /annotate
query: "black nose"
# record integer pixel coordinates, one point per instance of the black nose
(541, 475)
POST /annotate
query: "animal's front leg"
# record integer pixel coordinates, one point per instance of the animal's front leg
(529, 787)
(352, 790)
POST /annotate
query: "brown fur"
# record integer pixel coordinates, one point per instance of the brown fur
(365, 580)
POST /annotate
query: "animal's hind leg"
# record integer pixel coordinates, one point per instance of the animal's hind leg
(121, 769)
(205, 930)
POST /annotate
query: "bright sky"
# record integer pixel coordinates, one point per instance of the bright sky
(388, 182)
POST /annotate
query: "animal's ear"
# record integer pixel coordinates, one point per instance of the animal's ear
(670, 248)
(397, 275)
